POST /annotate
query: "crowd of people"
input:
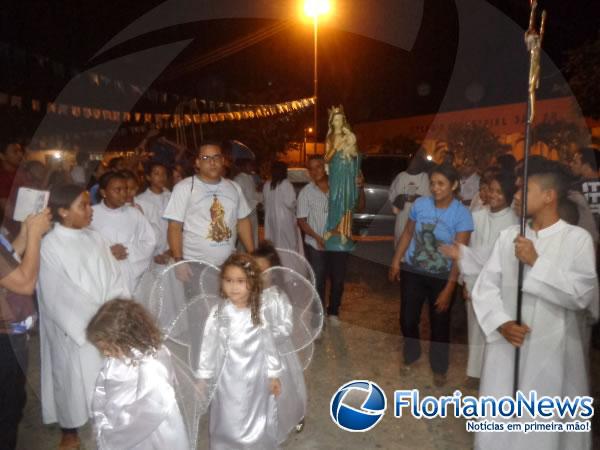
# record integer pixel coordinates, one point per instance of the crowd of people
(462, 229)
(107, 225)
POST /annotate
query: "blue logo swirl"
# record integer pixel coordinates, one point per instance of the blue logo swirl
(358, 406)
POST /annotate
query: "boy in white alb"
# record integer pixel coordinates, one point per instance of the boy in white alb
(207, 212)
(154, 201)
(130, 234)
(560, 302)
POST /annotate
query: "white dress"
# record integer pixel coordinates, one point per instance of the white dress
(409, 185)
(78, 274)
(135, 406)
(487, 228)
(280, 216)
(560, 301)
(153, 206)
(242, 412)
(127, 226)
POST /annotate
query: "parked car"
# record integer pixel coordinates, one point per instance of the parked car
(299, 177)
(379, 171)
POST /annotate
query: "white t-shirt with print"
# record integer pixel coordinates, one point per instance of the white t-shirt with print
(209, 213)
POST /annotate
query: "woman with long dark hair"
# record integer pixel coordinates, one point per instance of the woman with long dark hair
(428, 276)
(280, 210)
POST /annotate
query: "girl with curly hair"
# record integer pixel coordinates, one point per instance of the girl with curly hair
(134, 404)
(241, 412)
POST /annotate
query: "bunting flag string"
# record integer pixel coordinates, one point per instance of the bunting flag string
(160, 120)
(13, 55)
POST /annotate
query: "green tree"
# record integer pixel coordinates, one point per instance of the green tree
(401, 145)
(584, 76)
(560, 135)
(474, 142)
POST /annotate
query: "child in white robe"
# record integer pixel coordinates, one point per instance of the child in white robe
(291, 404)
(560, 301)
(78, 274)
(156, 198)
(132, 187)
(488, 222)
(242, 410)
(279, 196)
(129, 232)
(135, 404)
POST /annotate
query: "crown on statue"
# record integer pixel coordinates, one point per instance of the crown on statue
(336, 110)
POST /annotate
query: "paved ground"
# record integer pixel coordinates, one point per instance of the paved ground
(365, 346)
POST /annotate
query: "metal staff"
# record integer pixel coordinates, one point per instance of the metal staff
(533, 41)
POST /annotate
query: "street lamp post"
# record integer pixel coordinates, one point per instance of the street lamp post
(314, 9)
(316, 78)
(307, 131)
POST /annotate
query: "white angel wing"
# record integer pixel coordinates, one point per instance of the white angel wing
(191, 396)
(166, 291)
(193, 328)
(295, 261)
(293, 311)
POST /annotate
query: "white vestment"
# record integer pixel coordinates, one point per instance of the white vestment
(78, 274)
(280, 216)
(407, 185)
(560, 301)
(153, 206)
(135, 406)
(127, 226)
(488, 226)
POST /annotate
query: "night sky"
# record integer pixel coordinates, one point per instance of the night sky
(372, 79)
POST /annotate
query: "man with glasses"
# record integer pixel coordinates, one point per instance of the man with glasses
(207, 212)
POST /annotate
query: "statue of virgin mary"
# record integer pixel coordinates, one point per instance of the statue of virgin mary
(343, 158)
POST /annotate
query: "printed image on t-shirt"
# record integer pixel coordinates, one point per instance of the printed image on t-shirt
(426, 255)
(591, 192)
(218, 230)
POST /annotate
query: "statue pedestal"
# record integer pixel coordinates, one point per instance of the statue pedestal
(335, 244)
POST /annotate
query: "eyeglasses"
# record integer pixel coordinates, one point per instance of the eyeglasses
(206, 158)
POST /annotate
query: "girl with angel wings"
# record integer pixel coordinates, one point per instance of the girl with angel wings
(241, 411)
(247, 337)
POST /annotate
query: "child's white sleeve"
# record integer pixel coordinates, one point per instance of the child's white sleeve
(207, 361)
(274, 366)
(284, 324)
(572, 282)
(487, 296)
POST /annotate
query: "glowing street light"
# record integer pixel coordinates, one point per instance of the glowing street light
(314, 9)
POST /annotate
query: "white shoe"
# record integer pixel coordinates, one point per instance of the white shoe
(334, 321)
